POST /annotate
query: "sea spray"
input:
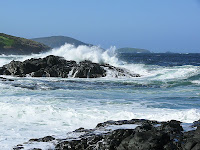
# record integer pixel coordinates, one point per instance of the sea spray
(81, 53)
(109, 56)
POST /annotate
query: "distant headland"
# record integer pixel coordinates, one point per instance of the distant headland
(19, 46)
(12, 45)
(57, 41)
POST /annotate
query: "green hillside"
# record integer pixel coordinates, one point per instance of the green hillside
(19, 46)
(6, 42)
(132, 50)
(57, 41)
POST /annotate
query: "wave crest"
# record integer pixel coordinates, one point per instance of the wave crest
(81, 53)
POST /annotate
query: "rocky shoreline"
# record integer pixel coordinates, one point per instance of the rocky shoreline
(55, 66)
(135, 134)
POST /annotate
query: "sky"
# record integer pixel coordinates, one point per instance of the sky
(156, 25)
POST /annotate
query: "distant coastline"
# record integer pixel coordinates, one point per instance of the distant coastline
(132, 50)
(12, 45)
(57, 41)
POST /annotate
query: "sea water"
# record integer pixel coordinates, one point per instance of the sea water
(169, 88)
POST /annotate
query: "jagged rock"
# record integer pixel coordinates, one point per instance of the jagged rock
(191, 140)
(87, 69)
(121, 122)
(148, 135)
(50, 66)
(196, 123)
(120, 71)
(147, 138)
(72, 145)
(113, 140)
(18, 147)
(44, 139)
(55, 66)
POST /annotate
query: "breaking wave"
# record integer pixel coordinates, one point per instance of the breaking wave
(109, 56)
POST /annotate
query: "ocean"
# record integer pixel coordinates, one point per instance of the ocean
(169, 88)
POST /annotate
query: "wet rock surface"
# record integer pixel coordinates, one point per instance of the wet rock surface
(135, 134)
(55, 66)
(5, 79)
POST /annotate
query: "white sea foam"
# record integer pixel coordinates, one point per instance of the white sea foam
(80, 53)
(4, 61)
(28, 117)
(176, 72)
(27, 113)
(124, 126)
(196, 81)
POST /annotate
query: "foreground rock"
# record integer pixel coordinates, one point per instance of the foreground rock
(55, 66)
(132, 134)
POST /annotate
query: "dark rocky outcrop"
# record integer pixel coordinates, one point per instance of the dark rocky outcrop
(20, 46)
(87, 69)
(141, 135)
(55, 66)
(44, 139)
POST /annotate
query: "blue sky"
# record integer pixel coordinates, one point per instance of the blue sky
(157, 25)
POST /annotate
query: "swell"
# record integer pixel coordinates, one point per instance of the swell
(46, 84)
(195, 77)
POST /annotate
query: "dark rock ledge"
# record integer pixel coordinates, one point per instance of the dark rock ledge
(5, 79)
(55, 66)
(135, 134)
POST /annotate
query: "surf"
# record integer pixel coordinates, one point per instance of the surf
(109, 56)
